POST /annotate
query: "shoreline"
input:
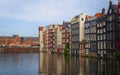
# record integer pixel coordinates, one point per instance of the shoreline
(36, 50)
(19, 50)
(87, 56)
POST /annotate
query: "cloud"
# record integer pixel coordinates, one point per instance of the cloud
(47, 10)
(24, 16)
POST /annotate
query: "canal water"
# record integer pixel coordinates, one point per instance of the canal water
(55, 64)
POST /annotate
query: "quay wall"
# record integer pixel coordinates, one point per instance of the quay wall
(21, 50)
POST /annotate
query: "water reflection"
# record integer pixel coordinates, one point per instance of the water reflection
(55, 64)
(19, 64)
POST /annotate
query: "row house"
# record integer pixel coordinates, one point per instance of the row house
(112, 21)
(102, 32)
(101, 35)
(93, 34)
(118, 29)
(86, 33)
(77, 34)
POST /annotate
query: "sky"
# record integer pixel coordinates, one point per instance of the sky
(23, 17)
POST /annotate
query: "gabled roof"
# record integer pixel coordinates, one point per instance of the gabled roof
(98, 15)
(89, 17)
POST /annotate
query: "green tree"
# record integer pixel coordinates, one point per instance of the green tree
(66, 50)
(118, 53)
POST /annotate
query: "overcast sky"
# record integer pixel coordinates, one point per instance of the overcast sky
(23, 17)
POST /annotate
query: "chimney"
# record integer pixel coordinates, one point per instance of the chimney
(103, 11)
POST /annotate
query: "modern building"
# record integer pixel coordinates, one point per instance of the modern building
(77, 33)
(53, 37)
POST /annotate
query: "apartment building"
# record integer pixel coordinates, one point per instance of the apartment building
(77, 33)
(41, 30)
(53, 38)
(66, 35)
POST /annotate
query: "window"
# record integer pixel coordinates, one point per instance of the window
(113, 16)
(98, 25)
(110, 26)
(82, 19)
(110, 11)
(113, 26)
(110, 18)
(104, 30)
(104, 44)
(98, 37)
(104, 23)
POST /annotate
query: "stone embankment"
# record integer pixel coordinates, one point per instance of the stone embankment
(19, 50)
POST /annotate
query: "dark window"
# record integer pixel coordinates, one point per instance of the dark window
(82, 19)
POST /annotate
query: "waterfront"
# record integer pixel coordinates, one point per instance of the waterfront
(55, 64)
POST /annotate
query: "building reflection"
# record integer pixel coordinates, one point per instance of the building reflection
(42, 63)
(55, 64)
(106, 67)
(118, 67)
(75, 65)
